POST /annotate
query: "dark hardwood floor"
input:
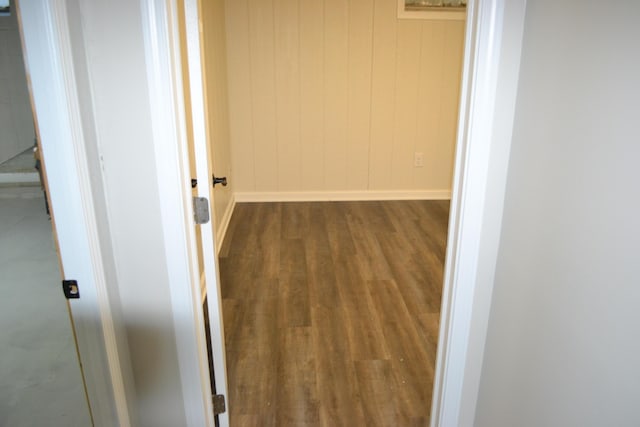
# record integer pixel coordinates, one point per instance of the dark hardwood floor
(331, 312)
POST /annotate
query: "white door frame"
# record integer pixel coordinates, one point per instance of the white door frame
(95, 315)
(204, 174)
(492, 52)
(489, 87)
(494, 31)
(162, 51)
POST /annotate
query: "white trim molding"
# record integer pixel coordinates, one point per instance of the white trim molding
(334, 196)
(221, 231)
(492, 54)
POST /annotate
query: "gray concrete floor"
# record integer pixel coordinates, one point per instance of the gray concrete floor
(40, 380)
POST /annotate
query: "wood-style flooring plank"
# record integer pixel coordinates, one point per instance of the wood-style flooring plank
(368, 254)
(294, 289)
(332, 311)
(321, 278)
(297, 396)
(409, 358)
(338, 393)
(419, 284)
(336, 220)
(428, 325)
(243, 225)
(361, 319)
(267, 240)
(376, 384)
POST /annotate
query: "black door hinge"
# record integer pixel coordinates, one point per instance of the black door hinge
(70, 289)
(219, 406)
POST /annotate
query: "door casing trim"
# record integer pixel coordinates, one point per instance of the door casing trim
(484, 132)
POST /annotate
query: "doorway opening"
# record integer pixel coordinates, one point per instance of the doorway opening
(267, 162)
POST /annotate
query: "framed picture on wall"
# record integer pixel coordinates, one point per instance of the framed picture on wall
(432, 9)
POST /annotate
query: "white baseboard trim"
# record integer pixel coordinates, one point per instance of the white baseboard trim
(221, 231)
(329, 196)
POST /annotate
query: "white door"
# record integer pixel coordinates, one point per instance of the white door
(48, 62)
(99, 332)
(205, 189)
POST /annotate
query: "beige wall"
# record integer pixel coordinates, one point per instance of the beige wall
(338, 95)
(16, 119)
(215, 72)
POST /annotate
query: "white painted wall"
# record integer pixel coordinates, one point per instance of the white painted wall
(116, 99)
(337, 95)
(562, 346)
(16, 119)
(81, 74)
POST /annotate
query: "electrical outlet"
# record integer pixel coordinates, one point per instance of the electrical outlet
(418, 160)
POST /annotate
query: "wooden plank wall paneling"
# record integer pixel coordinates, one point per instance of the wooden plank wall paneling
(287, 66)
(216, 101)
(338, 95)
(311, 95)
(406, 103)
(359, 93)
(240, 96)
(263, 93)
(383, 88)
(336, 83)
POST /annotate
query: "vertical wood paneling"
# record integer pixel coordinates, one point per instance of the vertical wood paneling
(429, 102)
(336, 53)
(359, 101)
(383, 88)
(452, 63)
(287, 62)
(240, 100)
(406, 101)
(261, 47)
(338, 95)
(311, 94)
(216, 99)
